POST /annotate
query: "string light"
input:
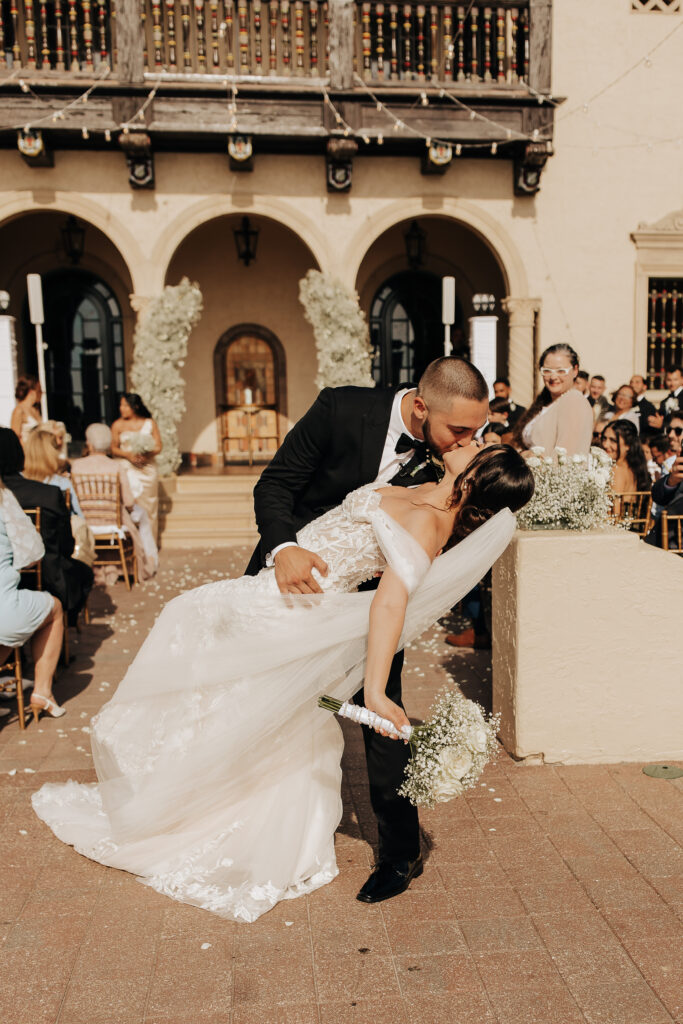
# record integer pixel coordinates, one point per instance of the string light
(494, 148)
(107, 135)
(85, 134)
(458, 149)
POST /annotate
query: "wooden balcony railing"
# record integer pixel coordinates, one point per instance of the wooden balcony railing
(470, 43)
(56, 35)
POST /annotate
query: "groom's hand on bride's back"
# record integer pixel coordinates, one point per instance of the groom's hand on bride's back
(294, 570)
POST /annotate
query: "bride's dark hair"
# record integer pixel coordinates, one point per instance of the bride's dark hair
(496, 478)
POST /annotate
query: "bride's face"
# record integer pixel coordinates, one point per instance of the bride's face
(457, 461)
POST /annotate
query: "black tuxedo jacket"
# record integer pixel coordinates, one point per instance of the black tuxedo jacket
(63, 577)
(677, 398)
(670, 498)
(646, 409)
(336, 447)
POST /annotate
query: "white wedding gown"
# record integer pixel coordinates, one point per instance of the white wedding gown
(219, 776)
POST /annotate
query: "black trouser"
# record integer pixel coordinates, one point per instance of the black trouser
(397, 822)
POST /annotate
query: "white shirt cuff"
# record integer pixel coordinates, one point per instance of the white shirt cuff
(270, 557)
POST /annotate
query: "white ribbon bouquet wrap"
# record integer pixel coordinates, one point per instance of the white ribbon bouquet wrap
(448, 752)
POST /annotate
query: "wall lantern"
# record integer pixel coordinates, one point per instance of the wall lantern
(246, 239)
(415, 245)
(483, 303)
(73, 240)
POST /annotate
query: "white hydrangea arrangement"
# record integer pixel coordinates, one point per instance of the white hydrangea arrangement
(571, 492)
(159, 354)
(448, 753)
(341, 332)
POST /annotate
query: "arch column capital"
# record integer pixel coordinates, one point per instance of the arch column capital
(520, 311)
(521, 314)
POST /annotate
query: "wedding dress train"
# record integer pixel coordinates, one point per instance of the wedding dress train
(219, 777)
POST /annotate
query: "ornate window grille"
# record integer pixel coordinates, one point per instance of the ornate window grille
(657, 6)
(665, 327)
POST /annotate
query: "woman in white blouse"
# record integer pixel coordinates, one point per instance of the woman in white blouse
(560, 415)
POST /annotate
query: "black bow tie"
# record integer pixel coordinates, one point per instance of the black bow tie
(406, 443)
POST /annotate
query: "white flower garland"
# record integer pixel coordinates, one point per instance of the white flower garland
(341, 332)
(159, 353)
(570, 493)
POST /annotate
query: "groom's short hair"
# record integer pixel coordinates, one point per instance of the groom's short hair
(451, 377)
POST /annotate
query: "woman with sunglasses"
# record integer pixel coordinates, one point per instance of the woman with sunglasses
(559, 416)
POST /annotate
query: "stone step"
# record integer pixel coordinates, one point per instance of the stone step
(188, 484)
(216, 539)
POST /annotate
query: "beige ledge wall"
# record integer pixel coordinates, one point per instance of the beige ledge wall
(587, 661)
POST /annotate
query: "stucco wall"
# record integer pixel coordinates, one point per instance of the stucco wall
(586, 665)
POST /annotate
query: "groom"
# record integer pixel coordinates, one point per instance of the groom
(349, 437)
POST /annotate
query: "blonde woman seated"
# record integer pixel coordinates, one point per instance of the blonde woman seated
(26, 614)
(559, 416)
(133, 518)
(43, 462)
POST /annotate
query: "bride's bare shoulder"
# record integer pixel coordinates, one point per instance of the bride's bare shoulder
(425, 525)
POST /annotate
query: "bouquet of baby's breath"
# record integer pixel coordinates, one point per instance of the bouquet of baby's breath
(449, 752)
(140, 444)
(571, 493)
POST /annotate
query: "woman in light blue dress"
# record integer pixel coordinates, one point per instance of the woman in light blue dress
(27, 613)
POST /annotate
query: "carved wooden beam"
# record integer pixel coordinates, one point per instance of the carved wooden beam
(540, 44)
(341, 43)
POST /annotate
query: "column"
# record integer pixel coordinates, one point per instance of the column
(8, 368)
(521, 349)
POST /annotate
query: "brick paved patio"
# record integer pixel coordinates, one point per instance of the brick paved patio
(550, 895)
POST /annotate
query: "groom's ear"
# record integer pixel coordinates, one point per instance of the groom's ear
(419, 407)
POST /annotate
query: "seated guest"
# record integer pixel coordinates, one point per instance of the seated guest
(621, 442)
(42, 463)
(26, 414)
(495, 433)
(26, 614)
(134, 518)
(499, 411)
(64, 577)
(596, 396)
(674, 433)
(501, 389)
(559, 416)
(667, 493)
(644, 406)
(624, 406)
(660, 450)
(581, 382)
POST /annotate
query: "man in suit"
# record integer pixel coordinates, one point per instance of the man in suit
(596, 396)
(667, 492)
(501, 389)
(674, 400)
(643, 405)
(349, 437)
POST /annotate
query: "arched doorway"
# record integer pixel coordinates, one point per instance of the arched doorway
(405, 327)
(399, 283)
(250, 379)
(84, 358)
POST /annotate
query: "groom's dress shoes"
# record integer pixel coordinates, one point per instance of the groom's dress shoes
(389, 879)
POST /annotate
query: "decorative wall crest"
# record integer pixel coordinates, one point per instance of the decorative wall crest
(661, 6)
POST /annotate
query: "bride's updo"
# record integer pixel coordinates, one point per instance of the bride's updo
(496, 478)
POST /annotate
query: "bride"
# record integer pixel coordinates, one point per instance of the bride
(219, 777)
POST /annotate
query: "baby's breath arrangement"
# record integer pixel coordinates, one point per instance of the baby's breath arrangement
(158, 358)
(341, 332)
(571, 493)
(449, 752)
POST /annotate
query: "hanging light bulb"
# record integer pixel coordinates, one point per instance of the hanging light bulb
(458, 149)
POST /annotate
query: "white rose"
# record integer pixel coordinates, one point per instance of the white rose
(454, 764)
(477, 739)
(537, 450)
(548, 460)
(578, 459)
(533, 462)
(560, 451)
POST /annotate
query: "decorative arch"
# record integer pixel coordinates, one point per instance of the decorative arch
(492, 234)
(223, 206)
(266, 377)
(72, 203)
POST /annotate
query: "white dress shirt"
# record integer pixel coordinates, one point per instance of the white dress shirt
(389, 464)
